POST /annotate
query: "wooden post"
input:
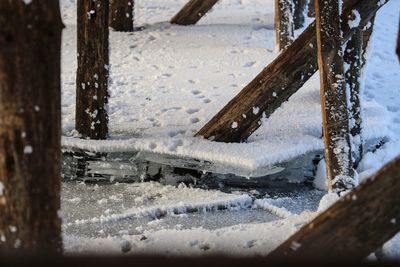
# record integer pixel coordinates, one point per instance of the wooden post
(354, 227)
(92, 74)
(300, 13)
(335, 117)
(284, 27)
(278, 81)
(311, 8)
(121, 15)
(398, 43)
(354, 62)
(193, 11)
(30, 126)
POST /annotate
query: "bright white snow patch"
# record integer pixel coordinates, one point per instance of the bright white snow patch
(356, 21)
(28, 150)
(321, 181)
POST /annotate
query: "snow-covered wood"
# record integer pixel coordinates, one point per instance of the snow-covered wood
(121, 15)
(93, 69)
(193, 11)
(353, 62)
(284, 25)
(335, 112)
(278, 81)
(300, 13)
(355, 226)
(30, 125)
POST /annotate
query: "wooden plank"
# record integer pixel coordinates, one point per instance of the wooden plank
(121, 15)
(92, 73)
(354, 62)
(30, 126)
(278, 81)
(355, 226)
(284, 26)
(398, 43)
(300, 13)
(193, 11)
(334, 107)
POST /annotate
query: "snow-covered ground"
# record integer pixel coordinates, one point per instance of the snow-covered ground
(167, 82)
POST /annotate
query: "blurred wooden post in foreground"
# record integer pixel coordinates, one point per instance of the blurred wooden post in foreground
(30, 126)
(284, 27)
(193, 11)
(335, 112)
(121, 15)
(355, 226)
(92, 73)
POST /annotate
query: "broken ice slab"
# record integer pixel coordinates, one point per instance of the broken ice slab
(138, 166)
(133, 166)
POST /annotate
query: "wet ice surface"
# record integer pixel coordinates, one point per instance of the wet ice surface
(93, 210)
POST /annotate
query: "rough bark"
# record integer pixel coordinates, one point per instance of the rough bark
(335, 117)
(121, 15)
(398, 43)
(193, 11)
(354, 62)
(92, 73)
(300, 13)
(311, 8)
(30, 125)
(278, 81)
(353, 227)
(284, 27)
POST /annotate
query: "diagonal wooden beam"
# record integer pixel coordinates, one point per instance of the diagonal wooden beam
(279, 80)
(193, 11)
(353, 227)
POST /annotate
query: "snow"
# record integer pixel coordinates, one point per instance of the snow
(355, 22)
(167, 82)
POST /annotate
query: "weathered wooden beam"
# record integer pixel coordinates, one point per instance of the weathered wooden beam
(311, 8)
(300, 13)
(278, 81)
(354, 62)
(91, 118)
(334, 106)
(193, 11)
(121, 15)
(30, 126)
(284, 26)
(398, 43)
(355, 226)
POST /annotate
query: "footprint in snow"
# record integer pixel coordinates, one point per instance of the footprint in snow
(194, 120)
(192, 110)
(249, 64)
(196, 92)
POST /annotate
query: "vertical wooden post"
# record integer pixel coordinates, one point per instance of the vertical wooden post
(353, 60)
(121, 15)
(333, 96)
(311, 8)
(398, 43)
(30, 125)
(92, 73)
(300, 13)
(284, 27)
